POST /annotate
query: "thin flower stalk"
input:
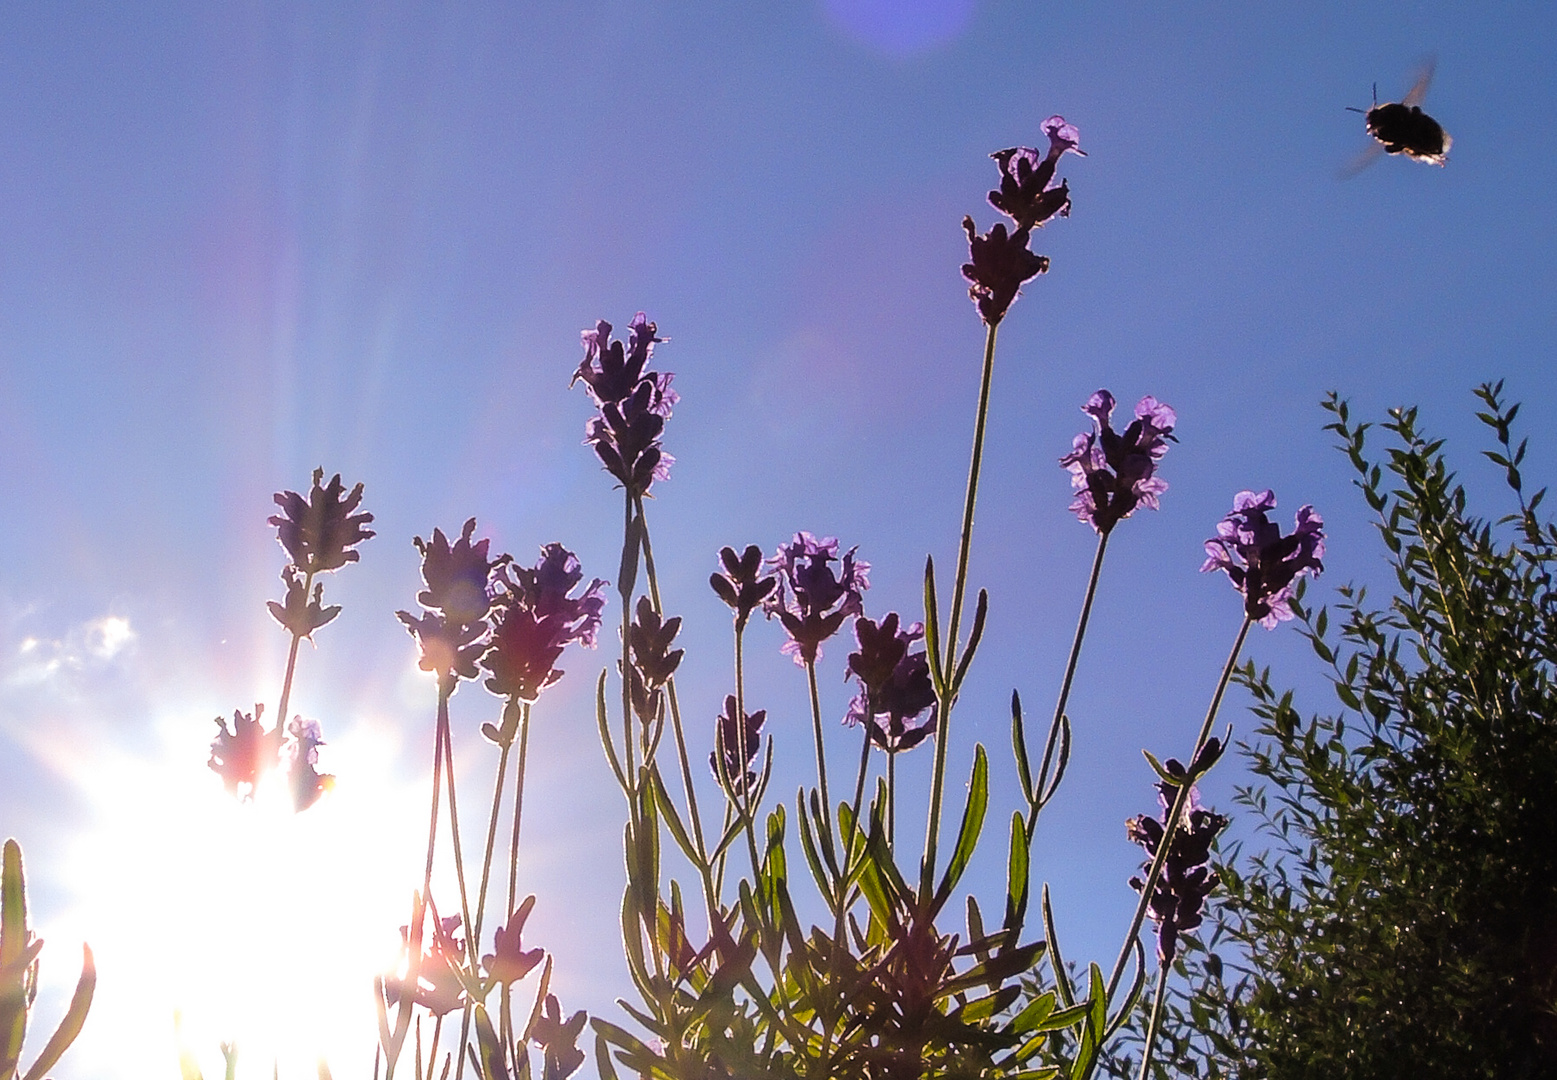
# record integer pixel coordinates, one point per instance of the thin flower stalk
(683, 758)
(959, 594)
(1156, 1018)
(1035, 798)
(1175, 815)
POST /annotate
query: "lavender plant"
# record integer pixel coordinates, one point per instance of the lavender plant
(731, 982)
(740, 986)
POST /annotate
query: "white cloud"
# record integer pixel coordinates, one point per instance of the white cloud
(36, 660)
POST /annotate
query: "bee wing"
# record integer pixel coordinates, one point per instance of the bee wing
(1360, 162)
(1424, 79)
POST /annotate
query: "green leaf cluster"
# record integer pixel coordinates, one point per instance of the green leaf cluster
(1402, 920)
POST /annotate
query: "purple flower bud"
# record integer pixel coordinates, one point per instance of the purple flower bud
(558, 1038)
(452, 632)
(811, 600)
(307, 784)
(1179, 896)
(1113, 473)
(999, 264)
(1028, 192)
(318, 533)
(741, 584)
(536, 619)
(1263, 564)
(634, 404)
(736, 742)
(244, 754)
(895, 687)
(510, 962)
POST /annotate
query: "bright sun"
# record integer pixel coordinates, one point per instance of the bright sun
(257, 926)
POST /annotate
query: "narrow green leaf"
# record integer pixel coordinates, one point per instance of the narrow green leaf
(492, 1065)
(1017, 873)
(672, 819)
(972, 825)
(932, 630)
(974, 635)
(603, 1055)
(1132, 995)
(1057, 961)
(1063, 759)
(1024, 770)
(808, 846)
(75, 1016)
(605, 733)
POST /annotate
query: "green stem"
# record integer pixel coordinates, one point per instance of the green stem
(1175, 816)
(959, 592)
(445, 688)
(1034, 797)
(624, 589)
(513, 841)
(286, 683)
(821, 756)
(959, 587)
(1156, 1017)
(486, 859)
(454, 831)
(892, 805)
(710, 895)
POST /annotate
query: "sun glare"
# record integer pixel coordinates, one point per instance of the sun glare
(260, 928)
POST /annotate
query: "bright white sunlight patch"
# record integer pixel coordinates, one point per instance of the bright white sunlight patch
(259, 926)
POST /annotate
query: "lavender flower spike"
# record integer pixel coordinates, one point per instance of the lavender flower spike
(1179, 896)
(1263, 564)
(1028, 193)
(811, 600)
(1113, 473)
(633, 403)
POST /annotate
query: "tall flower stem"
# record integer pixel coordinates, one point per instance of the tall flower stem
(892, 802)
(445, 688)
(959, 592)
(821, 754)
(486, 859)
(1175, 816)
(513, 840)
(454, 829)
(286, 683)
(960, 584)
(1156, 1018)
(670, 686)
(1035, 797)
(624, 589)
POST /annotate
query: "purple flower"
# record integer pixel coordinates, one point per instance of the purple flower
(1178, 899)
(536, 618)
(438, 988)
(319, 532)
(895, 687)
(999, 264)
(302, 748)
(458, 596)
(1113, 473)
(811, 600)
(633, 404)
(511, 962)
(1263, 564)
(736, 742)
(558, 1039)
(1028, 193)
(244, 754)
(741, 585)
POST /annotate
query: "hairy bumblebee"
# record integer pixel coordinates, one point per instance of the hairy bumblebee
(1401, 127)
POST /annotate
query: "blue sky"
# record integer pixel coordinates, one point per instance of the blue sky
(244, 240)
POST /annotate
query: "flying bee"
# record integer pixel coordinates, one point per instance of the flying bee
(1401, 127)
